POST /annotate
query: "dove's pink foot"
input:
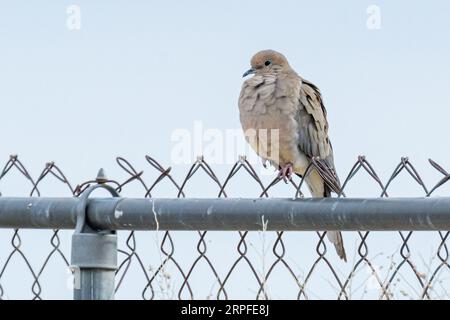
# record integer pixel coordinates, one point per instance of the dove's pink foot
(286, 172)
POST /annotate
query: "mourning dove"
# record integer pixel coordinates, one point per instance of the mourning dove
(276, 99)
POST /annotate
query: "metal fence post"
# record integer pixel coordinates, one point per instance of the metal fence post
(94, 255)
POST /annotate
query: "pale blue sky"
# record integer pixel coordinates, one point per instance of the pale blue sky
(137, 70)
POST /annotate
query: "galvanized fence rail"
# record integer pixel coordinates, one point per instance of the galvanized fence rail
(99, 272)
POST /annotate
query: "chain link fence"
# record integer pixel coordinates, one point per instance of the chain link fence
(230, 265)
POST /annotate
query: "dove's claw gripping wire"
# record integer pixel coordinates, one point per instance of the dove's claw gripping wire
(286, 172)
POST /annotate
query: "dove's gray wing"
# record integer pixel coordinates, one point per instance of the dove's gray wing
(313, 138)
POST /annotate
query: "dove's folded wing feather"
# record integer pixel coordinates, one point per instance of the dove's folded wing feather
(313, 138)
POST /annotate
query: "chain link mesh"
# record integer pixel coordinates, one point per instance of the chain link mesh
(228, 265)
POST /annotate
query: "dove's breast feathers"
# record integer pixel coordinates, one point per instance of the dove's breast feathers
(267, 103)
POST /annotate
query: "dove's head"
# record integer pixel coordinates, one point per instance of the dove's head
(268, 62)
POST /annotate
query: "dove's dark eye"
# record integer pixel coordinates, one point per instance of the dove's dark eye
(267, 63)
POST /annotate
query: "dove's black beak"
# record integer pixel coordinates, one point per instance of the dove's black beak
(246, 73)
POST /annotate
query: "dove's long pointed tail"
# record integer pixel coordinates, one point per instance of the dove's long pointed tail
(319, 189)
(336, 238)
